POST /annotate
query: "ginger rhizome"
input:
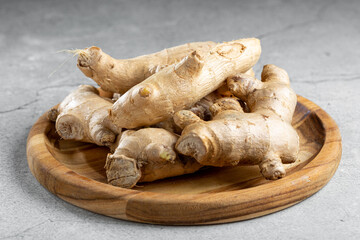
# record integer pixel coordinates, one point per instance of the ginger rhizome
(200, 109)
(262, 137)
(83, 116)
(119, 75)
(179, 86)
(224, 91)
(180, 109)
(146, 155)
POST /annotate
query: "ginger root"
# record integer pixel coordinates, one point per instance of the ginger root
(146, 155)
(206, 92)
(83, 116)
(200, 108)
(224, 91)
(179, 86)
(262, 137)
(119, 75)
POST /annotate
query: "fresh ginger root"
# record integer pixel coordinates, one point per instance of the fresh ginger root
(146, 155)
(200, 108)
(179, 86)
(119, 75)
(83, 116)
(224, 91)
(262, 137)
(200, 90)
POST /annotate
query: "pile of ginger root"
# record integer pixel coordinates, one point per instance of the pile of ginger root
(172, 112)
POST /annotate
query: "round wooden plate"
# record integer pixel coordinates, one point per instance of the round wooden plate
(75, 172)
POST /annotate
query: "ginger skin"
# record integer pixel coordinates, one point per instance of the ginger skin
(83, 116)
(119, 75)
(146, 155)
(181, 85)
(224, 91)
(263, 137)
(200, 109)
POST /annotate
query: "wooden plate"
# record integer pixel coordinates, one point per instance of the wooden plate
(74, 172)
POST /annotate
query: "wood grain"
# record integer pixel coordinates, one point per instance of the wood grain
(75, 172)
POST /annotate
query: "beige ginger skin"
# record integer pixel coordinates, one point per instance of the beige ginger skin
(146, 155)
(202, 107)
(119, 75)
(179, 86)
(224, 91)
(262, 137)
(83, 116)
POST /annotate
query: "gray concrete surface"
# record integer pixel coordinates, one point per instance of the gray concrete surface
(317, 42)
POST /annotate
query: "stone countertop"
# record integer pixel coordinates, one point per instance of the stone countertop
(317, 42)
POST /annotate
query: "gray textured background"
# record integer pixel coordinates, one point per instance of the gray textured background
(317, 42)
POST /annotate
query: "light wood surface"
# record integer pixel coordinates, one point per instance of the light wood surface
(75, 172)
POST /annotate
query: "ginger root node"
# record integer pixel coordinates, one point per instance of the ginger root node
(145, 91)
